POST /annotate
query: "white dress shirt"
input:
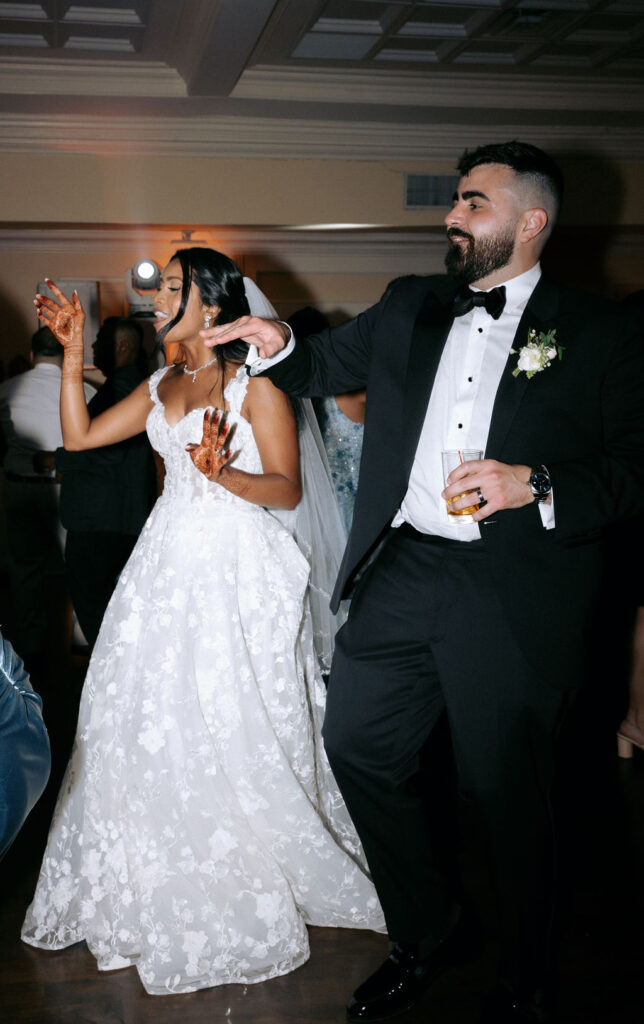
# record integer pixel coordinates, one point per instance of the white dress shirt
(30, 416)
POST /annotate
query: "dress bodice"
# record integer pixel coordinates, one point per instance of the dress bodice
(183, 482)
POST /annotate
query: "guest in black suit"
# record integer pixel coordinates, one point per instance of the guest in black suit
(487, 620)
(106, 493)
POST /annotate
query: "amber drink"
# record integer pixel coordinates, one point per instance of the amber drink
(451, 459)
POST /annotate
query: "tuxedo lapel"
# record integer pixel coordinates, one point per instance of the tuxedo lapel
(430, 332)
(539, 315)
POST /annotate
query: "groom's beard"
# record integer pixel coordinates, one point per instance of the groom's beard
(473, 259)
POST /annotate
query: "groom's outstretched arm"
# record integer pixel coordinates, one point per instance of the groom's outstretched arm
(332, 362)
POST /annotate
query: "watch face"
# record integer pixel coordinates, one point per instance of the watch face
(540, 482)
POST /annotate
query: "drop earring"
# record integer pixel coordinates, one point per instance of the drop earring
(206, 321)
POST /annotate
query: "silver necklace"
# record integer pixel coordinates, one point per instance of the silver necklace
(198, 370)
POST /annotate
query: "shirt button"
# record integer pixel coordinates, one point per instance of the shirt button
(480, 330)
(470, 379)
(460, 426)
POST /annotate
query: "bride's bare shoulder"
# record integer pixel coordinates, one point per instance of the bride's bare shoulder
(262, 389)
(264, 399)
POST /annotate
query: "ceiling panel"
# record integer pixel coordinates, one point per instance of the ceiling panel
(358, 32)
(397, 65)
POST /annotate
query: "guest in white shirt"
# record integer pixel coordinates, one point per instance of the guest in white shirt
(30, 431)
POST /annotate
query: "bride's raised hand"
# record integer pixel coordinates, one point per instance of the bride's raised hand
(211, 455)
(64, 318)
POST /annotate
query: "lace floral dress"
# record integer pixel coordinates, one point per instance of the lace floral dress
(199, 827)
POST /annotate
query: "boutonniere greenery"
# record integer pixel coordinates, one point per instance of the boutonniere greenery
(538, 353)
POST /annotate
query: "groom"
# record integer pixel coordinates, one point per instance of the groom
(489, 619)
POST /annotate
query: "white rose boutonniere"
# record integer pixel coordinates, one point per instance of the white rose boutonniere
(538, 353)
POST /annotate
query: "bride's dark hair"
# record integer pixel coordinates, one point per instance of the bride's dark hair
(220, 283)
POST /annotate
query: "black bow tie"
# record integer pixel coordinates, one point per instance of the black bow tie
(465, 299)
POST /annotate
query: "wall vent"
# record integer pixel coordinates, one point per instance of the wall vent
(425, 191)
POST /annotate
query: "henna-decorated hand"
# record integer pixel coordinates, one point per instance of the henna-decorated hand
(65, 319)
(210, 456)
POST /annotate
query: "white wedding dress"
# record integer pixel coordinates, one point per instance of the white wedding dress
(199, 827)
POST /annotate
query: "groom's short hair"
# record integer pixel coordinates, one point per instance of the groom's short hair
(539, 171)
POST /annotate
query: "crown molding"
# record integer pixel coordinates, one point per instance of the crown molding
(324, 250)
(297, 138)
(394, 251)
(511, 91)
(82, 77)
(148, 78)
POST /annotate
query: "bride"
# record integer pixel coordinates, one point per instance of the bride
(199, 828)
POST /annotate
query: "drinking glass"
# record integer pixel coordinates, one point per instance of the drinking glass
(452, 458)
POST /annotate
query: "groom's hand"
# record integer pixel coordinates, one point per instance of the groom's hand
(501, 486)
(268, 336)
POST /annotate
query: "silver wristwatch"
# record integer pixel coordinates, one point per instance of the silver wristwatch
(540, 483)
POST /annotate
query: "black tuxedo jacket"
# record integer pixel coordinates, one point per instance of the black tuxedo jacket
(583, 417)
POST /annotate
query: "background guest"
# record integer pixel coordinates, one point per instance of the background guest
(30, 428)
(631, 731)
(341, 420)
(24, 745)
(106, 493)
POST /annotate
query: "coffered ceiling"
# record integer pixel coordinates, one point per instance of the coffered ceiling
(366, 79)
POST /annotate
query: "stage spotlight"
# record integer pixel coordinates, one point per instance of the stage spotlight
(144, 276)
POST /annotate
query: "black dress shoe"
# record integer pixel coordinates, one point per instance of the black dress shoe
(504, 1007)
(401, 980)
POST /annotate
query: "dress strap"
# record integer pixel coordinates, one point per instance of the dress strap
(154, 382)
(235, 391)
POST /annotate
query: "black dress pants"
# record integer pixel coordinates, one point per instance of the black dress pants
(426, 632)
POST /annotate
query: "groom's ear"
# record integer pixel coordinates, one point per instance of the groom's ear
(532, 223)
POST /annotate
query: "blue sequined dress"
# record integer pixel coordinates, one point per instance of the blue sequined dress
(343, 444)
